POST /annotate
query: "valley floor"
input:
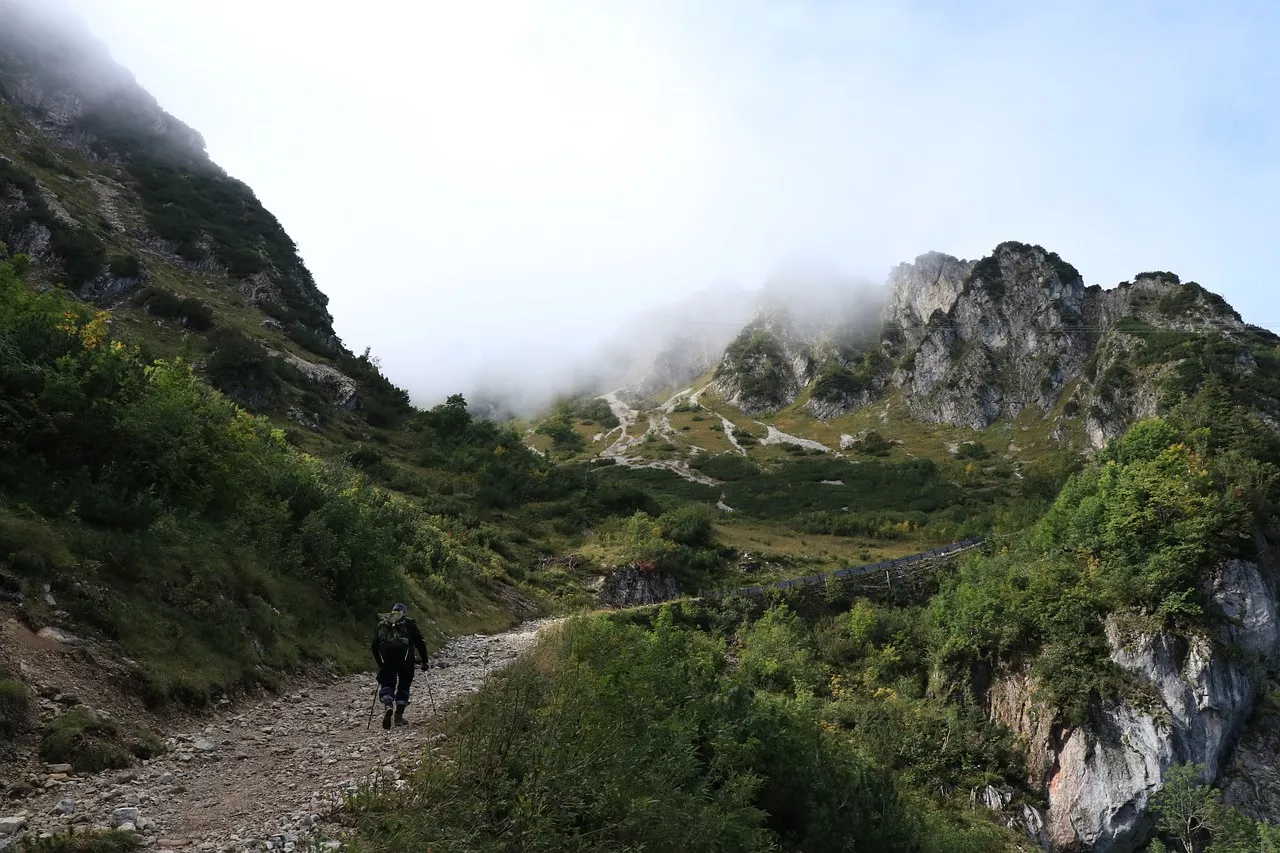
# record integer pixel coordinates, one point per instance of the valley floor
(265, 775)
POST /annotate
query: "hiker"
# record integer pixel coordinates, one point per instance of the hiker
(394, 642)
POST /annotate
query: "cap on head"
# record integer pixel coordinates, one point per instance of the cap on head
(400, 607)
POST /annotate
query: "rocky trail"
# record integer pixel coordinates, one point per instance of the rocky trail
(263, 776)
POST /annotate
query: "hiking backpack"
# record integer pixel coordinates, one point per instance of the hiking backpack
(393, 636)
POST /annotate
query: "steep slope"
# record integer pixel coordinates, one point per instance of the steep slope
(117, 201)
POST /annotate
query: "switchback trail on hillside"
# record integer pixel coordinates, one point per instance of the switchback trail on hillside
(265, 774)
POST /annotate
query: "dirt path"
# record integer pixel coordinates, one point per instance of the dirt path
(262, 776)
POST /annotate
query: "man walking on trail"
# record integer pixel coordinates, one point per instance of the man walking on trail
(394, 642)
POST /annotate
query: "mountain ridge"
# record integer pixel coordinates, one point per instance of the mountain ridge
(970, 343)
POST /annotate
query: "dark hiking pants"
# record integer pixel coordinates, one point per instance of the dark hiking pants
(394, 680)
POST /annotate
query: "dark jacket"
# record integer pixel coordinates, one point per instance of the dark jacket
(416, 641)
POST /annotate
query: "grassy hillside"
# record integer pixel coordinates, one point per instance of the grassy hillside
(799, 723)
(213, 551)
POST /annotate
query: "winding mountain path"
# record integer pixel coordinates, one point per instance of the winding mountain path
(264, 776)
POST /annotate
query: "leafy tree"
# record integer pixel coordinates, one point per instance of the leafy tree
(1185, 807)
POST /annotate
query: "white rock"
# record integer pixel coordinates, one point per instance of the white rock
(65, 806)
(126, 814)
(12, 825)
(57, 635)
(204, 744)
(1100, 781)
(165, 778)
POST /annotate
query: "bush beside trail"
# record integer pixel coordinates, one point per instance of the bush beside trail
(188, 531)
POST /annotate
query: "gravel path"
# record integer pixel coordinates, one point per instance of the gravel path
(263, 776)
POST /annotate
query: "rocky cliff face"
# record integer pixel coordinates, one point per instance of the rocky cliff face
(1196, 701)
(632, 586)
(1001, 335)
(969, 343)
(108, 192)
(62, 79)
(766, 366)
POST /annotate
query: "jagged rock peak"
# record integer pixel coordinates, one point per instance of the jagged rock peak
(916, 290)
(984, 340)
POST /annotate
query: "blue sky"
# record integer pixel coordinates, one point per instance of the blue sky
(495, 186)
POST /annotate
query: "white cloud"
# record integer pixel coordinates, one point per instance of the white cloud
(493, 180)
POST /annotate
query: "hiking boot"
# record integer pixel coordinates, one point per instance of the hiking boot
(386, 719)
(400, 716)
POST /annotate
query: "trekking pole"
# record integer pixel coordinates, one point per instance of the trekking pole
(430, 693)
(372, 705)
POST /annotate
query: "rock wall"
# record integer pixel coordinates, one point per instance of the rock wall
(632, 587)
(1002, 334)
(1197, 700)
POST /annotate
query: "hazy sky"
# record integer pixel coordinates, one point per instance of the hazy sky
(498, 182)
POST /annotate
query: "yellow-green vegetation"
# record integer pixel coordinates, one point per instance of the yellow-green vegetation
(701, 429)
(772, 543)
(680, 542)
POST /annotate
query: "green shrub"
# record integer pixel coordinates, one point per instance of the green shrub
(612, 737)
(1138, 530)
(86, 740)
(15, 707)
(563, 435)
(241, 368)
(975, 450)
(125, 266)
(80, 841)
(191, 312)
(691, 525)
(873, 444)
(726, 466)
(588, 409)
